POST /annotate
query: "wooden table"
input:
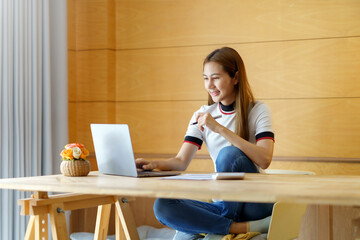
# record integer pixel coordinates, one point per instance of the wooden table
(104, 190)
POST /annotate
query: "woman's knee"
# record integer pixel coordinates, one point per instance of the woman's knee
(163, 208)
(256, 211)
(232, 159)
(230, 152)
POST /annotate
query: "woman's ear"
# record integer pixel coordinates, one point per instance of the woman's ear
(236, 78)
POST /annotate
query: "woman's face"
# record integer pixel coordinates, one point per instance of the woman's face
(219, 84)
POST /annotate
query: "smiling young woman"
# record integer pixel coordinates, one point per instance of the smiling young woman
(220, 86)
(240, 139)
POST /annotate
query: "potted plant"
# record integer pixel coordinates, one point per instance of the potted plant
(74, 161)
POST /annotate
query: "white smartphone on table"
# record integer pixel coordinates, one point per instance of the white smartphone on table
(229, 176)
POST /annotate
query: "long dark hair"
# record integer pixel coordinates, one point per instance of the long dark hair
(232, 63)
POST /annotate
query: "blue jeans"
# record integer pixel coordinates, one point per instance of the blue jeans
(194, 217)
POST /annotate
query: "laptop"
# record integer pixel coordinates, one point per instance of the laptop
(114, 152)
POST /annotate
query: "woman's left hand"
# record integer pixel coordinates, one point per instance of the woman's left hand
(205, 119)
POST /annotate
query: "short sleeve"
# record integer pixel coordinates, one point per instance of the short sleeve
(193, 134)
(263, 123)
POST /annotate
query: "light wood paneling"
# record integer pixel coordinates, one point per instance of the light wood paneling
(308, 228)
(92, 24)
(295, 69)
(160, 74)
(149, 24)
(316, 127)
(305, 127)
(154, 126)
(304, 69)
(82, 114)
(92, 75)
(72, 76)
(80, 117)
(72, 120)
(319, 168)
(342, 219)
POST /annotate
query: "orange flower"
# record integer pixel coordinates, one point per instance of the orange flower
(71, 145)
(84, 153)
(67, 154)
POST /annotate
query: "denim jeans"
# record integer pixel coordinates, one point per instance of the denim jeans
(194, 217)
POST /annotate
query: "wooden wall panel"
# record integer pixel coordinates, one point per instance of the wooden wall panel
(92, 24)
(342, 221)
(304, 69)
(303, 127)
(87, 113)
(295, 69)
(316, 127)
(72, 119)
(80, 117)
(152, 124)
(72, 76)
(151, 24)
(160, 74)
(94, 76)
(319, 168)
(148, 122)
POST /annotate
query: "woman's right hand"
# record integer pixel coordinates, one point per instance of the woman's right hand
(205, 119)
(178, 163)
(144, 164)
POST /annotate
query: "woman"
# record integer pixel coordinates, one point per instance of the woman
(240, 139)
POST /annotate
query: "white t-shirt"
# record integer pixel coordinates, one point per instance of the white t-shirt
(260, 126)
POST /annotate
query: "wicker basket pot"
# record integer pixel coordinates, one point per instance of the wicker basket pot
(75, 168)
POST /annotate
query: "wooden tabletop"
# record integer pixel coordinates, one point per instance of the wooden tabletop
(317, 189)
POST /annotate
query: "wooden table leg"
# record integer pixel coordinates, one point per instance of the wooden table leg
(41, 227)
(30, 231)
(58, 222)
(119, 230)
(126, 218)
(324, 218)
(38, 224)
(102, 222)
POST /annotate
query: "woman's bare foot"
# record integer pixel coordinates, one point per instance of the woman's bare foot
(239, 227)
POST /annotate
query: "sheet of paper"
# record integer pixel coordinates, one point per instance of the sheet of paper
(191, 177)
(209, 176)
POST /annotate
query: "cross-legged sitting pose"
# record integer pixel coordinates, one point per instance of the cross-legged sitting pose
(237, 131)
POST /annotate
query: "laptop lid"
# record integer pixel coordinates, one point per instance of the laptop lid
(113, 149)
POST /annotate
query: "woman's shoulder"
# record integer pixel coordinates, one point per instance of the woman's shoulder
(259, 108)
(260, 105)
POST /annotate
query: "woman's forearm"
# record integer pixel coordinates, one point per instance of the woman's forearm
(182, 159)
(171, 164)
(260, 154)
